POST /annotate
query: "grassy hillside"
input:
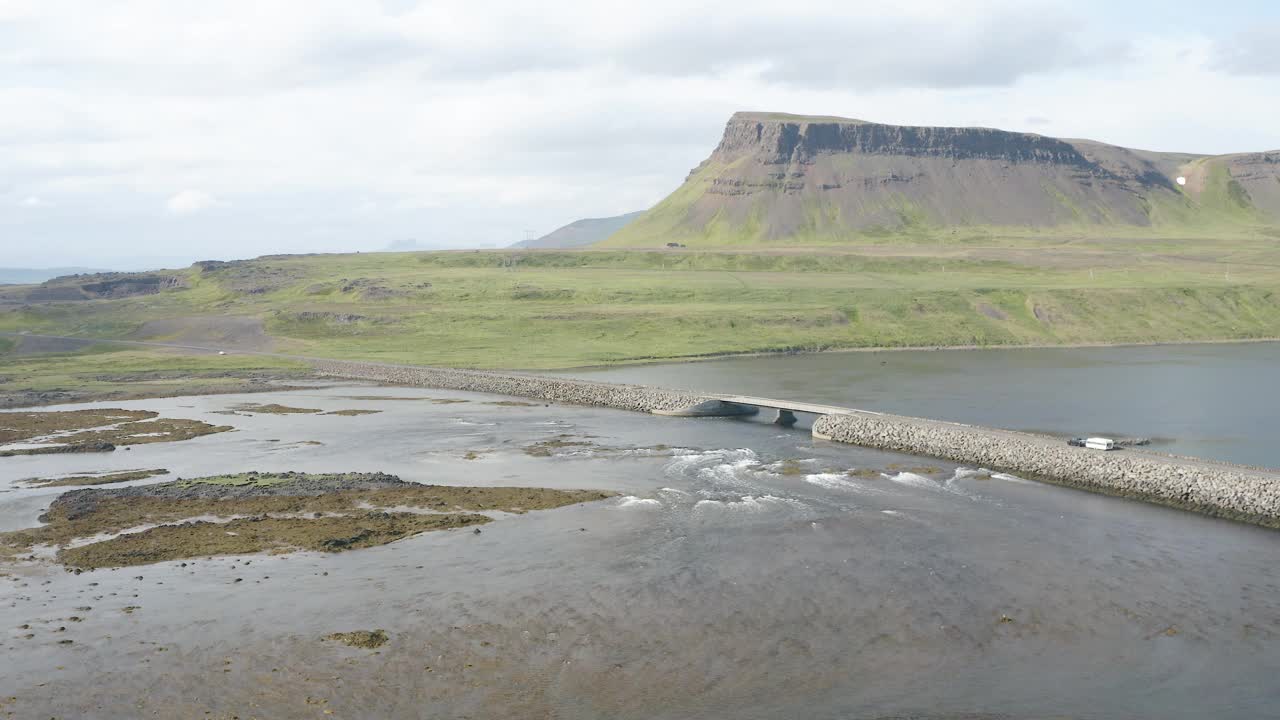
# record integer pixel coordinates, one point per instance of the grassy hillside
(562, 309)
(1220, 209)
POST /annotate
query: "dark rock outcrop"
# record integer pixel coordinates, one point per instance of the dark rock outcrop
(118, 286)
(99, 286)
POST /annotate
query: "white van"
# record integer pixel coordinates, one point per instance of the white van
(1100, 443)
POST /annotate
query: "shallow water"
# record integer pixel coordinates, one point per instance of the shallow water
(1211, 401)
(742, 572)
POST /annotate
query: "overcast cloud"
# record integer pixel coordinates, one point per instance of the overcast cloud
(1255, 51)
(142, 131)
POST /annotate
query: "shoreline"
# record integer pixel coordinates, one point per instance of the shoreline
(893, 348)
(701, 357)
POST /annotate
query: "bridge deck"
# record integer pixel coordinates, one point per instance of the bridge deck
(792, 405)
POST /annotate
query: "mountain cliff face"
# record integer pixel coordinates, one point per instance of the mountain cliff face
(777, 179)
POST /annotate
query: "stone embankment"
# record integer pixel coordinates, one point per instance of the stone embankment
(1217, 489)
(559, 390)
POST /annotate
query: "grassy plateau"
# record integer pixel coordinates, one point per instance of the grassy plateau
(559, 309)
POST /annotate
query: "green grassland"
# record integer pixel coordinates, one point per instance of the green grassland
(1218, 216)
(554, 309)
(108, 372)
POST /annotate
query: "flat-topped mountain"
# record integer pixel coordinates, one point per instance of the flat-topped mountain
(790, 179)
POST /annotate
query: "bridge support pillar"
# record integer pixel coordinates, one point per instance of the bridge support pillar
(785, 418)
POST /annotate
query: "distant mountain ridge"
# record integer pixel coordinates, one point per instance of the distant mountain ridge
(581, 233)
(790, 179)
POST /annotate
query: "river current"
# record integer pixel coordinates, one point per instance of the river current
(743, 571)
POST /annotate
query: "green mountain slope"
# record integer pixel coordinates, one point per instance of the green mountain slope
(778, 180)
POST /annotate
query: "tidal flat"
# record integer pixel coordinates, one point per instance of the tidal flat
(734, 569)
(97, 479)
(90, 430)
(256, 512)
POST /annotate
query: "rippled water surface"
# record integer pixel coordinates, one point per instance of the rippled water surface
(1213, 401)
(742, 572)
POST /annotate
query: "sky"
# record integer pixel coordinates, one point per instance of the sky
(139, 133)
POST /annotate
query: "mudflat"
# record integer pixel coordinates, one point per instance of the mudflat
(256, 512)
(98, 427)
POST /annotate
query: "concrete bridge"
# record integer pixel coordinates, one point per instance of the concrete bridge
(739, 405)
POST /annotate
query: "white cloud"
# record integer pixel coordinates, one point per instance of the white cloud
(190, 201)
(35, 201)
(347, 124)
(1255, 51)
